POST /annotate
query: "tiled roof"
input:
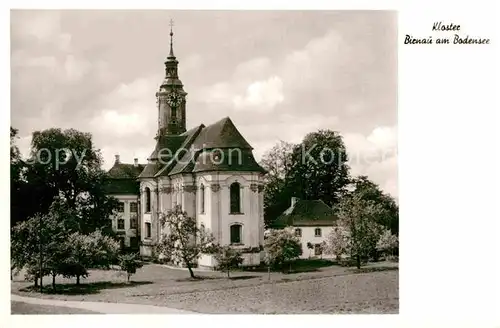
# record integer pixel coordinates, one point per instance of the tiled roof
(122, 178)
(306, 213)
(221, 134)
(194, 154)
(122, 170)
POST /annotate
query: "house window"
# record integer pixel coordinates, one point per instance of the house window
(298, 232)
(147, 194)
(121, 207)
(148, 230)
(133, 223)
(317, 232)
(133, 207)
(121, 224)
(202, 199)
(236, 234)
(234, 191)
(318, 249)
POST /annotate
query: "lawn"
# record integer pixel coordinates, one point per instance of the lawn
(26, 308)
(319, 289)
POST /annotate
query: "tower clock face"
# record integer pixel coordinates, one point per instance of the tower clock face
(174, 99)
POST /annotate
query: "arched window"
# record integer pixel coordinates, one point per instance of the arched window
(235, 234)
(147, 194)
(317, 232)
(202, 199)
(298, 232)
(234, 191)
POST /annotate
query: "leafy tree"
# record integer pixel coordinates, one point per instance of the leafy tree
(88, 251)
(319, 167)
(356, 232)
(282, 247)
(228, 259)
(388, 243)
(183, 239)
(65, 165)
(278, 163)
(129, 263)
(37, 245)
(389, 209)
(314, 169)
(18, 184)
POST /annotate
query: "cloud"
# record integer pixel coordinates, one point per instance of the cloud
(261, 95)
(375, 155)
(317, 70)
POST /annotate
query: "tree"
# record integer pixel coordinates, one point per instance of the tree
(319, 168)
(278, 163)
(389, 209)
(183, 239)
(65, 165)
(388, 243)
(129, 263)
(281, 247)
(356, 231)
(228, 259)
(37, 245)
(83, 252)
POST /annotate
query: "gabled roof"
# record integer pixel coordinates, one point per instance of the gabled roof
(221, 134)
(306, 213)
(125, 171)
(122, 178)
(191, 149)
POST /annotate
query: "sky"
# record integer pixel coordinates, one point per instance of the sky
(278, 75)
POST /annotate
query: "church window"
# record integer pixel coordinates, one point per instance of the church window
(234, 191)
(202, 199)
(147, 195)
(121, 207)
(148, 230)
(121, 224)
(235, 234)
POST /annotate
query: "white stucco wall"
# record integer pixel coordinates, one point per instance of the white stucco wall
(216, 217)
(308, 236)
(125, 215)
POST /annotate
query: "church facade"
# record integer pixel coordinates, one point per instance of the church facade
(209, 171)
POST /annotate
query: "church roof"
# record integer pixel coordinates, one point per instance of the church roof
(221, 134)
(306, 213)
(195, 153)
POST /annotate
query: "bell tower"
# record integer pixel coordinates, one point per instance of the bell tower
(171, 97)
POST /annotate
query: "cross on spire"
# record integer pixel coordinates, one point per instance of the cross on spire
(171, 38)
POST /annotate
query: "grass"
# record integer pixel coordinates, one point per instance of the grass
(244, 292)
(26, 308)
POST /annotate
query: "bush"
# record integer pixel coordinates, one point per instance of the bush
(227, 259)
(129, 263)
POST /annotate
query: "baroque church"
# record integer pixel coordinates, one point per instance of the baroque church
(210, 171)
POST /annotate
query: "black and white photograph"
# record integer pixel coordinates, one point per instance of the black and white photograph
(188, 161)
(204, 162)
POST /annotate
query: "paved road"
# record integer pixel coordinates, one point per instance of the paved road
(102, 307)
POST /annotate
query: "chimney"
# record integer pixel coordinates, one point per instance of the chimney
(294, 201)
(136, 162)
(117, 158)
